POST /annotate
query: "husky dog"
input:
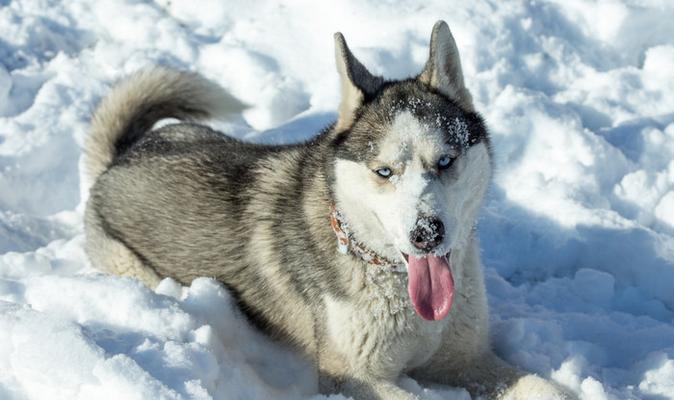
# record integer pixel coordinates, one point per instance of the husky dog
(357, 247)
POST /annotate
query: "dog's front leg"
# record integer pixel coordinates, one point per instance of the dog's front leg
(492, 378)
(534, 387)
(339, 373)
(499, 380)
(362, 387)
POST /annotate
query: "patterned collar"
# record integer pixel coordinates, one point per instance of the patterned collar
(347, 243)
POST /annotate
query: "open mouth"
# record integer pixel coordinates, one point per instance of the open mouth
(430, 284)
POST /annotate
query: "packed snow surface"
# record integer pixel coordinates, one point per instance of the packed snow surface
(577, 231)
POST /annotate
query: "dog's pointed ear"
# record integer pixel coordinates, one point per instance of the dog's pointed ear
(356, 82)
(443, 69)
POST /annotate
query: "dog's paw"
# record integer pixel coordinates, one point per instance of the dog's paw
(532, 387)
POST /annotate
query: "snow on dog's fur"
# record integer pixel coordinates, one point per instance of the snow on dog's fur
(400, 177)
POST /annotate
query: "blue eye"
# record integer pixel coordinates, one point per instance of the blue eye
(384, 172)
(445, 162)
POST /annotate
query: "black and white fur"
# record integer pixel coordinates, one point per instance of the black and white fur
(184, 201)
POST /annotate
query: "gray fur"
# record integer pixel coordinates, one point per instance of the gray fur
(356, 82)
(146, 97)
(185, 201)
(443, 70)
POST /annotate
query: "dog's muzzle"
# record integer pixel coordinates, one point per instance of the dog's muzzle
(428, 233)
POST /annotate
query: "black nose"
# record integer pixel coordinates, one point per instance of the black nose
(427, 234)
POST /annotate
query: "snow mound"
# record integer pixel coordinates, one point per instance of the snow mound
(96, 336)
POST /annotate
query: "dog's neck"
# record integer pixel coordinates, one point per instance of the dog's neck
(347, 243)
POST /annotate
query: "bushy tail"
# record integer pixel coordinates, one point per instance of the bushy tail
(138, 102)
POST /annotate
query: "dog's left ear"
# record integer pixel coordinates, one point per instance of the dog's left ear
(357, 82)
(443, 69)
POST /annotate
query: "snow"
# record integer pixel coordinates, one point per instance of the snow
(577, 231)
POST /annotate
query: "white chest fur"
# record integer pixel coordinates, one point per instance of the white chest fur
(378, 331)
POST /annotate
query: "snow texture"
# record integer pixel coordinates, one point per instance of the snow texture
(577, 231)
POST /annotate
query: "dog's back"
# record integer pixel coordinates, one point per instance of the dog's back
(185, 201)
(121, 120)
(141, 100)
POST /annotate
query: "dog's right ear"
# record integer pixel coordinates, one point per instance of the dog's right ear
(443, 69)
(356, 81)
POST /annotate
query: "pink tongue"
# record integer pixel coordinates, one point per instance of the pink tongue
(431, 286)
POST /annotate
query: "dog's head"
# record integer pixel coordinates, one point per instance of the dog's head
(412, 164)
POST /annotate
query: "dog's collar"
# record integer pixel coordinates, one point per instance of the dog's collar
(347, 243)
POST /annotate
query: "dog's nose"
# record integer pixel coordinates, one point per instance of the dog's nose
(427, 234)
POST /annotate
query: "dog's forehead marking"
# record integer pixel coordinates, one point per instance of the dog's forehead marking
(409, 138)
